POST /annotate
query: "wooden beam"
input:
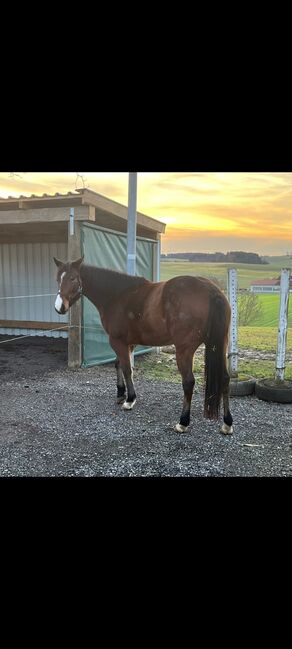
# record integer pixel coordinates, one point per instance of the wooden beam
(85, 197)
(91, 213)
(43, 215)
(107, 205)
(31, 324)
(34, 232)
(75, 313)
(112, 222)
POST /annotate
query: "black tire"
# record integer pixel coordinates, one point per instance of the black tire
(239, 388)
(271, 390)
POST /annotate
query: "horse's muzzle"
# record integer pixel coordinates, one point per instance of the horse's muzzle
(60, 307)
(62, 310)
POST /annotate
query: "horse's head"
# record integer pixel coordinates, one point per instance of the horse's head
(69, 282)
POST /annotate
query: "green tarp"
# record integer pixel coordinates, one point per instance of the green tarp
(108, 249)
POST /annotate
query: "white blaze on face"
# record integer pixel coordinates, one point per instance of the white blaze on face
(59, 301)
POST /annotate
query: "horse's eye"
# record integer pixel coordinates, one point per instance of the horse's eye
(72, 278)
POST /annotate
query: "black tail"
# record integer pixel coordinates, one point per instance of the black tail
(215, 354)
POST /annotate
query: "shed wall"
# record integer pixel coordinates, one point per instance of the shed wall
(29, 269)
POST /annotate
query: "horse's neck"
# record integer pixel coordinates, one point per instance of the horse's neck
(100, 286)
(92, 285)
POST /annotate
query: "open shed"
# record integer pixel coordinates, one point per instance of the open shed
(33, 230)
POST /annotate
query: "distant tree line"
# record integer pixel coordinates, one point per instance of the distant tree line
(237, 256)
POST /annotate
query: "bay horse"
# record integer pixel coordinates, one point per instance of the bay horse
(184, 311)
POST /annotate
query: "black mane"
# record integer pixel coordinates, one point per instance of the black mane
(108, 282)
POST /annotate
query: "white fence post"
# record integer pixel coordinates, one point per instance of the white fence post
(71, 222)
(232, 342)
(283, 323)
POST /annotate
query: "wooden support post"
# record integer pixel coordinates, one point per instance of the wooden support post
(75, 313)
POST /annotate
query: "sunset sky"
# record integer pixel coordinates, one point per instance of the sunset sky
(204, 212)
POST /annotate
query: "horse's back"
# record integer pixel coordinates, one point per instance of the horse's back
(187, 299)
(160, 313)
(191, 283)
(186, 287)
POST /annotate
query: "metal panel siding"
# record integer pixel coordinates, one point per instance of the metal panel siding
(29, 269)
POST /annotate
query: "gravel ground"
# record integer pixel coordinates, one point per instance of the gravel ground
(57, 422)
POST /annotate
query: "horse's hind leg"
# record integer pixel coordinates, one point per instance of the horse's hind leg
(123, 365)
(121, 386)
(184, 359)
(227, 427)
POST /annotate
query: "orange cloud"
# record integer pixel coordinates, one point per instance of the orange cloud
(213, 209)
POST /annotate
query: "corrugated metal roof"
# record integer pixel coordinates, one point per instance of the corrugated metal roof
(79, 197)
(21, 196)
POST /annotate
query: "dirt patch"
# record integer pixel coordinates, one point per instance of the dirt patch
(31, 357)
(58, 422)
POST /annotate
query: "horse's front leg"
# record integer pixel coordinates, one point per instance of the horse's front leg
(121, 386)
(124, 369)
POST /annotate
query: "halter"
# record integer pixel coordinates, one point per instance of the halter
(76, 295)
(79, 292)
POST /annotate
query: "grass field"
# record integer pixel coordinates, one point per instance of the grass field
(253, 338)
(270, 311)
(249, 338)
(246, 272)
(260, 337)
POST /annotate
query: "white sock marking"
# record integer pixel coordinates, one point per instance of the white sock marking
(128, 405)
(180, 428)
(226, 430)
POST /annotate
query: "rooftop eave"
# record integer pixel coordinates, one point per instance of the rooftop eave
(79, 197)
(33, 201)
(108, 205)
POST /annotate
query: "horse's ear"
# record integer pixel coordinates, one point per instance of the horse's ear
(58, 262)
(78, 262)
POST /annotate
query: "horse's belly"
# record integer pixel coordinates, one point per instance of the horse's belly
(147, 335)
(156, 341)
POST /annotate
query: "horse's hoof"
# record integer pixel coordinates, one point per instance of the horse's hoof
(180, 428)
(226, 430)
(128, 405)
